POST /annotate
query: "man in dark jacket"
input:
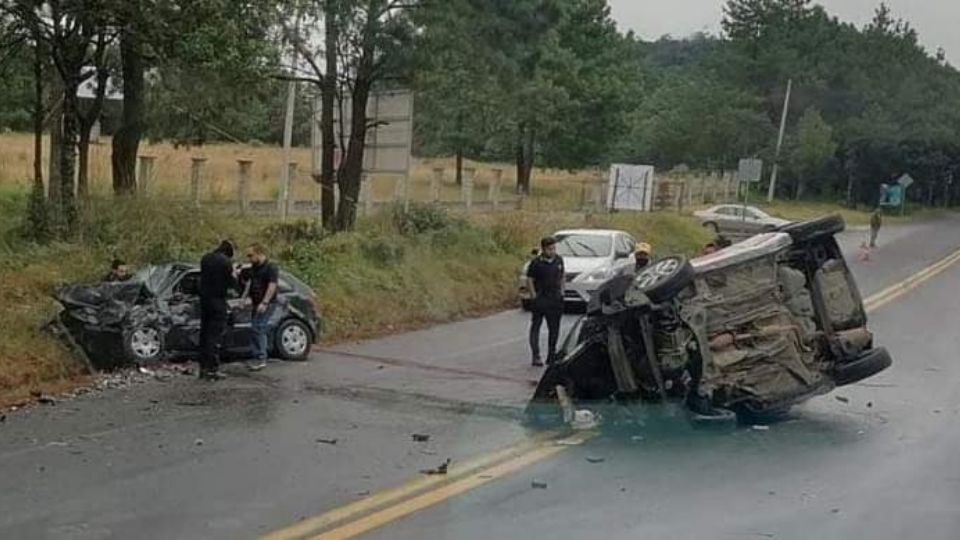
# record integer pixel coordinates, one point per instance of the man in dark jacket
(217, 276)
(545, 280)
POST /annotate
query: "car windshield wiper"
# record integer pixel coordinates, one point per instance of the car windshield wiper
(588, 248)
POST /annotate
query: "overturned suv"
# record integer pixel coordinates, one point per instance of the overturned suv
(747, 331)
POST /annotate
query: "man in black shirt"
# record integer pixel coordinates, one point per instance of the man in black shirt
(545, 279)
(262, 288)
(119, 271)
(217, 276)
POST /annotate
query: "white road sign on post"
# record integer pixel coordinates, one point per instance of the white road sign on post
(389, 139)
(750, 170)
(630, 187)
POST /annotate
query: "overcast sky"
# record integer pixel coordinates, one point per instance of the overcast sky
(935, 20)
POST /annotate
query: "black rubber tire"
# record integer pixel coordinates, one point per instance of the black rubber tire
(717, 419)
(712, 226)
(805, 231)
(278, 343)
(134, 352)
(866, 365)
(679, 277)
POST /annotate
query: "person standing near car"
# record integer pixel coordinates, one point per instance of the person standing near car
(545, 279)
(217, 276)
(262, 290)
(642, 256)
(119, 271)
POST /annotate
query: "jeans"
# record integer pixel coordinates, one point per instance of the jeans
(213, 326)
(260, 329)
(873, 236)
(550, 309)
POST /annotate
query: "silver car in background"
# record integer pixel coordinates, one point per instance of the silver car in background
(590, 257)
(738, 221)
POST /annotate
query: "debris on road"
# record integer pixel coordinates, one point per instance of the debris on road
(761, 428)
(595, 459)
(198, 442)
(327, 441)
(584, 420)
(637, 438)
(536, 484)
(363, 493)
(441, 469)
(869, 404)
(428, 452)
(3, 418)
(420, 437)
(842, 399)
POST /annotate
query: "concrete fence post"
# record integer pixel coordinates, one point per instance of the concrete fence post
(366, 198)
(196, 177)
(398, 189)
(727, 180)
(467, 188)
(146, 173)
(435, 182)
(243, 185)
(494, 190)
(285, 204)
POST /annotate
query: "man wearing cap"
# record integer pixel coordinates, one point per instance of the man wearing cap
(217, 276)
(642, 256)
(545, 280)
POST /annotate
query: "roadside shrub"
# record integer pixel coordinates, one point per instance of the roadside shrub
(421, 218)
(382, 252)
(297, 231)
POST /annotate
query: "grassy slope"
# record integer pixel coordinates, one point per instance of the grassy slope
(370, 281)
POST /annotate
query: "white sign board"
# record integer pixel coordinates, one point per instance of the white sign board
(750, 170)
(630, 187)
(905, 181)
(389, 140)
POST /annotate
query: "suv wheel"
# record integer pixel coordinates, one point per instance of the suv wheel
(665, 278)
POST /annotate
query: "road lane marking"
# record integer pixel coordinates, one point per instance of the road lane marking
(897, 290)
(477, 465)
(450, 490)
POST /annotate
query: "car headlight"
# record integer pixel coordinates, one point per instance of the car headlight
(599, 275)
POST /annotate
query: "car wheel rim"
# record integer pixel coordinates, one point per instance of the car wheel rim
(657, 273)
(145, 343)
(294, 340)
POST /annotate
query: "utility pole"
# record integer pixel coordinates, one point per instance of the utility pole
(288, 124)
(783, 127)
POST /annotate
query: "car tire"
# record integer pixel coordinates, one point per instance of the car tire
(293, 340)
(663, 279)
(143, 345)
(712, 226)
(866, 365)
(716, 419)
(805, 231)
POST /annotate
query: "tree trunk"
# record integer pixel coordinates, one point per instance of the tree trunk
(38, 115)
(328, 99)
(90, 118)
(56, 136)
(459, 171)
(126, 140)
(801, 187)
(352, 175)
(67, 210)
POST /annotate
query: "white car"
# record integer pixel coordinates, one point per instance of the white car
(590, 257)
(738, 220)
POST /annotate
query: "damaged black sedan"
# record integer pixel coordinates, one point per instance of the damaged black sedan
(156, 315)
(749, 330)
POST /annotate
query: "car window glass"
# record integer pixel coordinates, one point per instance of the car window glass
(584, 245)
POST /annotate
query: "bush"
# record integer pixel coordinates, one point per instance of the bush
(309, 230)
(421, 218)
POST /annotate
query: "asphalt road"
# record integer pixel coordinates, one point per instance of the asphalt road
(178, 458)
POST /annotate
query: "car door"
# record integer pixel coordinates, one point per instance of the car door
(753, 222)
(239, 338)
(183, 304)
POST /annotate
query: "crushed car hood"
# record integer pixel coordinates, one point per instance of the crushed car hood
(101, 304)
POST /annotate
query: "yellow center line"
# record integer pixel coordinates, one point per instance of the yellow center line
(897, 290)
(314, 524)
(430, 498)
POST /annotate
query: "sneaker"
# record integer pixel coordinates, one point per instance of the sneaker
(212, 376)
(256, 365)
